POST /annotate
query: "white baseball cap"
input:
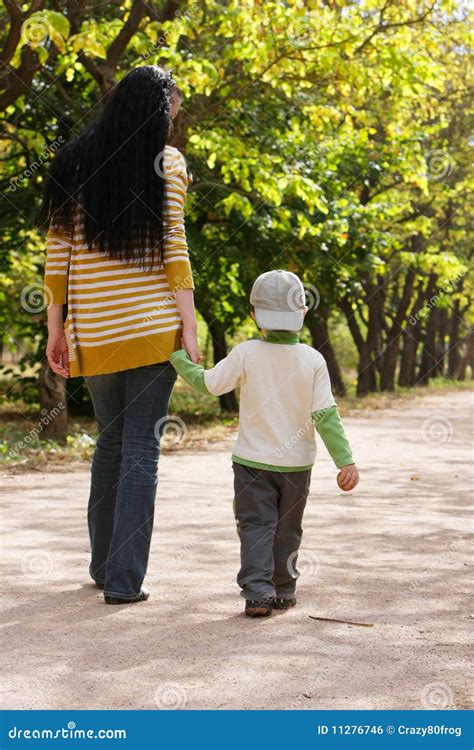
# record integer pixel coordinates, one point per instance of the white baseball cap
(278, 299)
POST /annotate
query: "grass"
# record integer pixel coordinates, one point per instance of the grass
(196, 423)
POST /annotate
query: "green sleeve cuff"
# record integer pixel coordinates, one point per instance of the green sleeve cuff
(329, 426)
(193, 374)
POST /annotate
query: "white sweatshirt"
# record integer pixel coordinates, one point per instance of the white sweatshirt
(281, 386)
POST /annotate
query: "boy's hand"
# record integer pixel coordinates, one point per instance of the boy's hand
(348, 477)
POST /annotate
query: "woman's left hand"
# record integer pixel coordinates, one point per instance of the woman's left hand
(189, 341)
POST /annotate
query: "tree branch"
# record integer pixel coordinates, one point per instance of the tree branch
(14, 33)
(381, 27)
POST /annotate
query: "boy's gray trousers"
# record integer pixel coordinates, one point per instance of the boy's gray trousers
(269, 507)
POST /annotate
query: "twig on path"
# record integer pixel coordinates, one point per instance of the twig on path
(344, 622)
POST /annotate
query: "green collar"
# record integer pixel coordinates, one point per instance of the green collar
(282, 337)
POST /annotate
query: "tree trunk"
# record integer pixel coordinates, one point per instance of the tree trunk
(318, 329)
(375, 302)
(366, 375)
(52, 396)
(429, 363)
(392, 348)
(468, 358)
(228, 401)
(407, 370)
(453, 354)
(390, 359)
(411, 341)
(412, 334)
(441, 343)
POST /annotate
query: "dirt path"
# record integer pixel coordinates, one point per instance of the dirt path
(394, 553)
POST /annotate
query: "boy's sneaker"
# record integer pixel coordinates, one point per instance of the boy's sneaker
(279, 603)
(255, 608)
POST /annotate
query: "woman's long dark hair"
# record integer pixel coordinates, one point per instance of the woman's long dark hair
(112, 171)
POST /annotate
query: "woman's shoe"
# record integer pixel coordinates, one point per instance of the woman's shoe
(254, 608)
(142, 597)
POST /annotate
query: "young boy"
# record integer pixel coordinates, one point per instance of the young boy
(285, 392)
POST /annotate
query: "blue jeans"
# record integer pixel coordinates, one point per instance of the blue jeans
(130, 408)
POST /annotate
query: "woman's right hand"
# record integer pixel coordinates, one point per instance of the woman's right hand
(190, 343)
(57, 352)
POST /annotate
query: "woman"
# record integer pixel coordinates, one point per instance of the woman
(117, 256)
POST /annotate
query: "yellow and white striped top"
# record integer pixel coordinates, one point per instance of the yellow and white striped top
(120, 316)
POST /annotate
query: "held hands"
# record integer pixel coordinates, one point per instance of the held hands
(57, 352)
(348, 477)
(190, 343)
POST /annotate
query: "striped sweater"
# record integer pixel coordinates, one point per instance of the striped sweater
(120, 316)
